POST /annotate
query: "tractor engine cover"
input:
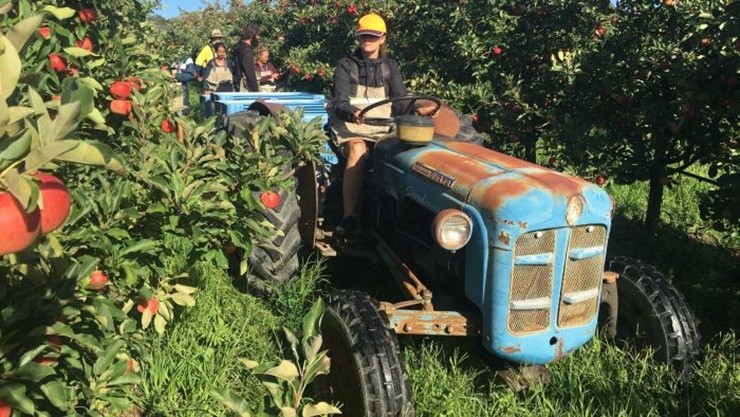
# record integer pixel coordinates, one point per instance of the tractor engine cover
(534, 264)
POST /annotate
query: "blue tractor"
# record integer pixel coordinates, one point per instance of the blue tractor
(482, 245)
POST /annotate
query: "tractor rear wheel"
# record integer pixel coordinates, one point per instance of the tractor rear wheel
(653, 314)
(367, 376)
(273, 260)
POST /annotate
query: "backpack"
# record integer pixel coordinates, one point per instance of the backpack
(185, 72)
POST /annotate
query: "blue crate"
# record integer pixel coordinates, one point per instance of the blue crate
(278, 96)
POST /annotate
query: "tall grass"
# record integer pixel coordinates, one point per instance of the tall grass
(201, 351)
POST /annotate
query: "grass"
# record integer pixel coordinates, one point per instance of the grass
(201, 350)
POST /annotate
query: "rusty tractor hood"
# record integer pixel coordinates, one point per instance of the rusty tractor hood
(502, 188)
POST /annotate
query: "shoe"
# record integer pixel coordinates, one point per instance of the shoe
(346, 228)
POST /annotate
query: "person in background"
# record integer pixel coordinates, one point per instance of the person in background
(266, 72)
(207, 54)
(245, 77)
(217, 76)
(185, 74)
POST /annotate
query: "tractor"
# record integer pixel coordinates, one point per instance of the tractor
(481, 244)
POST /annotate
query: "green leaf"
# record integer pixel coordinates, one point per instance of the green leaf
(185, 289)
(23, 30)
(37, 158)
(232, 401)
(288, 412)
(10, 67)
(106, 359)
(320, 409)
(128, 379)
(287, 371)
(57, 393)
(311, 347)
(11, 150)
(31, 371)
(65, 123)
(250, 364)
(93, 153)
(145, 245)
(312, 320)
(146, 319)
(60, 13)
(159, 324)
(15, 395)
(77, 52)
(25, 190)
(184, 300)
(119, 403)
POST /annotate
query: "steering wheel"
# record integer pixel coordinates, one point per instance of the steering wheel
(408, 109)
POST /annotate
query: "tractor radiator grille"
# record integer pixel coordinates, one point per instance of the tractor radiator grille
(531, 282)
(584, 267)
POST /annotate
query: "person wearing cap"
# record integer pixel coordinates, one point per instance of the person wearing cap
(207, 54)
(245, 75)
(364, 77)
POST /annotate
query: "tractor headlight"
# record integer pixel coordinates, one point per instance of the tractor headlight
(452, 229)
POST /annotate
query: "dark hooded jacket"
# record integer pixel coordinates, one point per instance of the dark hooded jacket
(356, 70)
(243, 57)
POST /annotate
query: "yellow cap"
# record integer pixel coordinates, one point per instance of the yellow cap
(371, 24)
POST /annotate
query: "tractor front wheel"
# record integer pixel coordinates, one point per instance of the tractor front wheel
(653, 314)
(367, 376)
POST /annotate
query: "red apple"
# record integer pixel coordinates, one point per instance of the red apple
(515, 139)
(88, 15)
(45, 360)
(45, 32)
(56, 201)
(601, 180)
(600, 30)
(167, 126)
(122, 107)
(296, 70)
(85, 43)
(497, 51)
(98, 280)
(705, 41)
(5, 410)
(152, 305)
(57, 61)
(131, 365)
(18, 228)
(270, 199)
(55, 342)
(552, 160)
(121, 90)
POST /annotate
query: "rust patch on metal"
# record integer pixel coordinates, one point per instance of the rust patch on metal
(435, 323)
(446, 123)
(511, 349)
(560, 352)
(465, 170)
(504, 238)
(610, 277)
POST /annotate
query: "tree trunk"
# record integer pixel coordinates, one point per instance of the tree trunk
(655, 198)
(530, 150)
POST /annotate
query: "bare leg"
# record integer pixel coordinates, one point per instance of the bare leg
(353, 175)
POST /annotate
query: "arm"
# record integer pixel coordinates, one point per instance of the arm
(396, 88)
(340, 100)
(206, 73)
(201, 61)
(248, 70)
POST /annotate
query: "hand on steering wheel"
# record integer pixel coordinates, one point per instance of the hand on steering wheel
(408, 109)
